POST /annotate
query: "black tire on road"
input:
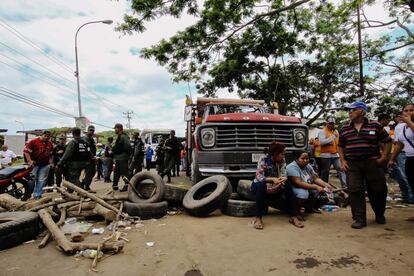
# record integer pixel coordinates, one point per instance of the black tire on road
(239, 208)
(244, 189)
(146, 210)
(173, 193)
(17, 227)
(207, 195)
(136, 181)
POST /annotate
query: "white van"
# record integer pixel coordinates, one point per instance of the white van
(153, 136)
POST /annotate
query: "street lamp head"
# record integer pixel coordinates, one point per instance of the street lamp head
(107, 21)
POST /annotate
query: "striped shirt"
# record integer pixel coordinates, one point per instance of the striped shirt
(365, 143)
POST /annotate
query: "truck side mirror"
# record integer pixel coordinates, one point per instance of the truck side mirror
(187, 113)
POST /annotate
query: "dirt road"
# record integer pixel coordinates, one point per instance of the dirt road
(223, 245)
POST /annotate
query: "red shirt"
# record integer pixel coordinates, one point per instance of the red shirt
(39, 151)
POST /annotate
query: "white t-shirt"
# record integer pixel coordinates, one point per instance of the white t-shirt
(6, 156)
(399, 136)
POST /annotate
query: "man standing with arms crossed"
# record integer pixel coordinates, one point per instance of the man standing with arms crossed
(38, 152)
(359, 151)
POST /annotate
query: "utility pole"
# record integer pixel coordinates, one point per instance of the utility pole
(361, 68)
(129, 117)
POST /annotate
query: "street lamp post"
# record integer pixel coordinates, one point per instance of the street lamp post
(21, 124)
(76, 57)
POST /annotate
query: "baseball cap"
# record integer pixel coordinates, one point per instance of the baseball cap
(330, 120)
(357, 105)
(118, 125)
(91, 127)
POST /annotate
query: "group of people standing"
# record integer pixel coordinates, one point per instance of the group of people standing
(123, 157)
(359, 152)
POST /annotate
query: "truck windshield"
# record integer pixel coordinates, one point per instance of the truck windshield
(156, 137)
(230, 108)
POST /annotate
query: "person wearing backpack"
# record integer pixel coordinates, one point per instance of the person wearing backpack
(405, 140)
(77, 157)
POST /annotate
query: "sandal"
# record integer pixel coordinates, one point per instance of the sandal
(256, 224)
(410, 219)
(296, 222)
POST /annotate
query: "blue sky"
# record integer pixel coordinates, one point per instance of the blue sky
(114, 79)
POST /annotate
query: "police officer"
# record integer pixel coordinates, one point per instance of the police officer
(137, 156)
(57, 154)
(76, 158)
(172, 146)
(160, 152)
(122, 150)
(91, 168)
(108, 161)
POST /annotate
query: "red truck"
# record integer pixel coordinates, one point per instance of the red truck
(228, 136)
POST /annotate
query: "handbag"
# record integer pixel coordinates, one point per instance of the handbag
(408, 140)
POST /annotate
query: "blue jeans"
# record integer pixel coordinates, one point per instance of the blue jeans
(398, 173)
(39, 174)
(326, 166)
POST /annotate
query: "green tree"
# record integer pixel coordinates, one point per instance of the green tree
(301, 54)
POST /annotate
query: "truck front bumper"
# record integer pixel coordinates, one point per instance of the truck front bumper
(232, 163)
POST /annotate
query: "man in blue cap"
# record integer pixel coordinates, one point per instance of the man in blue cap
(362, 160)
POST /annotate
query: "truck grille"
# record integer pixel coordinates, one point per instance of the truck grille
(253, 136)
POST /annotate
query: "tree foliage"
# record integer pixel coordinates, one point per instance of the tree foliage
(301, 54)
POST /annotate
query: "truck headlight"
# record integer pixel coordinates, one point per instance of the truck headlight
(299, 137)
(208, 137)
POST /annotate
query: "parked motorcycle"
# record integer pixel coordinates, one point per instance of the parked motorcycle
(17, 181)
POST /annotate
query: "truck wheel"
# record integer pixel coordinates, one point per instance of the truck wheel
(17, 227)
(195, 172)
(244, 189)
(146, 210)
(157, 183)
(207, 195)
(239, 208)
(172, 192)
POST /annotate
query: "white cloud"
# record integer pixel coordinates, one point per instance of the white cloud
(105, 60)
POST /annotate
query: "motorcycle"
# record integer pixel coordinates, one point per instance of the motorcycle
(17, 181)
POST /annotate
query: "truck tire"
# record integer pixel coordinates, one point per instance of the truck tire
(136, 181)
(207, 195)
(146, 210)
(244, 189)
(239, 208)
(195, 172)
(17, 227)
(173, 193)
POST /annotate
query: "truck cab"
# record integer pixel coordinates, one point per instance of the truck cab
(228, 136)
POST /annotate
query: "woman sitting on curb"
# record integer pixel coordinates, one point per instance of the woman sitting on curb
(270, 179)
(305, 186)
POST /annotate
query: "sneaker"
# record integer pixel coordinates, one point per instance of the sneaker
(359, 224)
(380, 220)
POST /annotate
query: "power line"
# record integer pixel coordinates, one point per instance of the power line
(53, 59)
(31, 102)
(36, 62)
(33, 45)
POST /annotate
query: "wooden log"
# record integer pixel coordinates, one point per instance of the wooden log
(70, 247)
(116, 196)
(84, 193)
(61, 221)
(67, 194)
(10, 203)
(99, 210)
(84, 206)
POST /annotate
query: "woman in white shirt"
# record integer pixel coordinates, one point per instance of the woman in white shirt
(405, 139)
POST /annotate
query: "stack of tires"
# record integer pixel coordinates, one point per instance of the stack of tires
(150, 196)
(242, 203)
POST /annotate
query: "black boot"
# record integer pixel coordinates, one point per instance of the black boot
(358, 224)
